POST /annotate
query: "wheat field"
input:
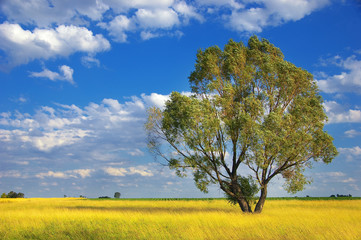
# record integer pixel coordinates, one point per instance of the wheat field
(72, 218)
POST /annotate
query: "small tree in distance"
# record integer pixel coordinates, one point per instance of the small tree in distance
(117, 195)
(250, 110)
(13, 194)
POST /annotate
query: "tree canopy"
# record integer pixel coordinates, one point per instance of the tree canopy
(13, 194)
(252, 116)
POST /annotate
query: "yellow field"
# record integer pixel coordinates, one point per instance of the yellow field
(145, 219)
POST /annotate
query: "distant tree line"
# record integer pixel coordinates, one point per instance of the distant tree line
(13, 194)
(104, 197)
(116, 195)
(340, 195)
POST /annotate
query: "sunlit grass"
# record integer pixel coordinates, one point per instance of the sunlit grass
(147, 219)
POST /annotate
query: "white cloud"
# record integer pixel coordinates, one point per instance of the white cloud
(83, 173)
(292, 10)
(218, 3)
(355, 151)
(334, 174)
(146, 35)
(265, 13)
(44, 13)
(156, 18)
(10, 174)
(338, 114)
(352, 133)
(118, 26)
(251, 20)
(139, 170)
(115, 171)
(66, 74)
(348, 180)
(22, 46)
(22, 162)
(127, 17)
(125, 5)
(187, 11)
(106, 129)
(22, 100)
(349, 80)
(90, 61)
(334, 177)
(351, 154)
(136, 152)
(52, 174)
(155, 99)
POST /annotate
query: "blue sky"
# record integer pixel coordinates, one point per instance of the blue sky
(77, 77)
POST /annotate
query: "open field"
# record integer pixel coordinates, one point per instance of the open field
(72, 218)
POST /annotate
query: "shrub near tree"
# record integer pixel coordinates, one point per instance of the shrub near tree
(251, 110)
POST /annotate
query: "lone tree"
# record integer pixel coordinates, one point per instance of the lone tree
(117, 195)
(250, 112)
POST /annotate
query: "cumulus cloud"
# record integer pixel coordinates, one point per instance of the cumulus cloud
(349, 80)
(158, 18)
(271, 13)
(44, 13)
(337, 113)
(60, 25)
(22, 46)
(188, 11)
(109, 126)
(118, 27)
(66, 74)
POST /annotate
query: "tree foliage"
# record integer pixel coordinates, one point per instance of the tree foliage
(13, 194)
(250, 111)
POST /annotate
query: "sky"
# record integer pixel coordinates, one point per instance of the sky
(76, 79)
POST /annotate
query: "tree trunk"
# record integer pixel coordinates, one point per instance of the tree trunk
(243, 204)
(241, 200)
(261, 200)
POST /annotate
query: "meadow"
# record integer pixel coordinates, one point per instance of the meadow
(72, 218)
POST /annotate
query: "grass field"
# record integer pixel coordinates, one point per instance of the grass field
(71, 218)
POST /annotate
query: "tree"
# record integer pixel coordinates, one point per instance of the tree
(13, 194)
(4, 195)
(20, 195)
(250, 110)
(117, 195)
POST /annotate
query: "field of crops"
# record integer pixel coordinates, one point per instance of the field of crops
(71, 218)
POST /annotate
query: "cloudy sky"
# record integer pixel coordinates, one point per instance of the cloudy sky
(76, 78)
